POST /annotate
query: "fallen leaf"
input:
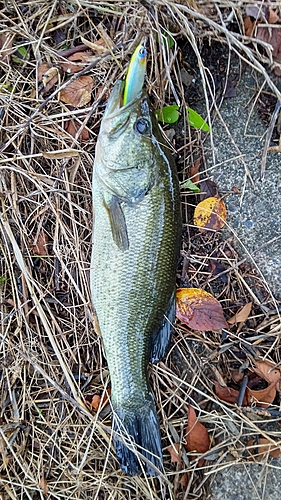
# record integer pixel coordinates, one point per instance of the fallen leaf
(242, 315)
(76, 62)
(194, 173)
(197, 437)
(10, 302)
(98, 46)
(72, 126)
(273, 37)
(263, 448)
(47, 75)
(229, 89)
(97, 402)
(184, 480)
(199, 309)
(60, 154)
(249, 26)
(78, 93)
(210, 214)
(265, 370)
(265, 33)
(105, 95)
(40, 247)
(227, 394)
(43, 485)
(6, 49)
(262, 397)
(208, 189)
(217, 268)
(273, 17)
(174, 452)
(237, 376)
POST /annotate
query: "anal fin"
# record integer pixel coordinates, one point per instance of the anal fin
(161, 339)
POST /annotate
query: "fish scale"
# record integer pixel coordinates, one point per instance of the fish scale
(133, 273)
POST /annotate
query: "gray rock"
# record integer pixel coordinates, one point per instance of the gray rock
(247, 482)
(254, 214)
(254, 219)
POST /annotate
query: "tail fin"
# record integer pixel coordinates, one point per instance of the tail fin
(138, 427)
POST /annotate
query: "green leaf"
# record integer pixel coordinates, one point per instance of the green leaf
(188, 184)
(167, 39)
(168, 114)
(6, 86)
(22, 52)
(195, 120)
(2, 279)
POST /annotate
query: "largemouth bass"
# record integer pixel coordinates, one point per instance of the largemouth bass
(136, 234)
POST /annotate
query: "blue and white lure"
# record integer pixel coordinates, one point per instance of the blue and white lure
(136, 74)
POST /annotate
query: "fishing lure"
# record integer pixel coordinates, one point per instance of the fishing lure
(136, 74)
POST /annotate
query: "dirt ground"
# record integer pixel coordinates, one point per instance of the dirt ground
(58, 63)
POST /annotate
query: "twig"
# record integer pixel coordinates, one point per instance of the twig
(268, 138)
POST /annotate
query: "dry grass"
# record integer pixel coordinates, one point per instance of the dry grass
(52, 446)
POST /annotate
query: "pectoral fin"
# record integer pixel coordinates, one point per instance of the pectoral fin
(162, 338)
(117, 223)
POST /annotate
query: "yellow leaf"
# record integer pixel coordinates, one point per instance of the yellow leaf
(199, 309)
(210, 214)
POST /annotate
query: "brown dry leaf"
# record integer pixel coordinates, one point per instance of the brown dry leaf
(60, 154)
(194, 173)
(249, 26)
(98, 46)
(72, 126)
(263, 448)
(262, 397)
(210, 214)
(273, 17)
(10, 302)
(184, 480)
(6, 43)
(208, 189)
(199, 309)
(78, 93)
(237, 376)
(273, 37)
(105, 95)
(44, 485)
(174, 452)
(227, 394)
(76, 62)
(97, 402)
(40, 247)
(47, 75)
(197, 437)
(242, 315)
(265, 370)
(216, 268)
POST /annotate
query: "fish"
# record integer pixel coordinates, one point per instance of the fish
(136, 240)
(136, 74)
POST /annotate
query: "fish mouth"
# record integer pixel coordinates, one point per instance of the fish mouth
(115, 106)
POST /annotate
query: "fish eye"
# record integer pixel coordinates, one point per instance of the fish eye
(142, 51)
(142, 126)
